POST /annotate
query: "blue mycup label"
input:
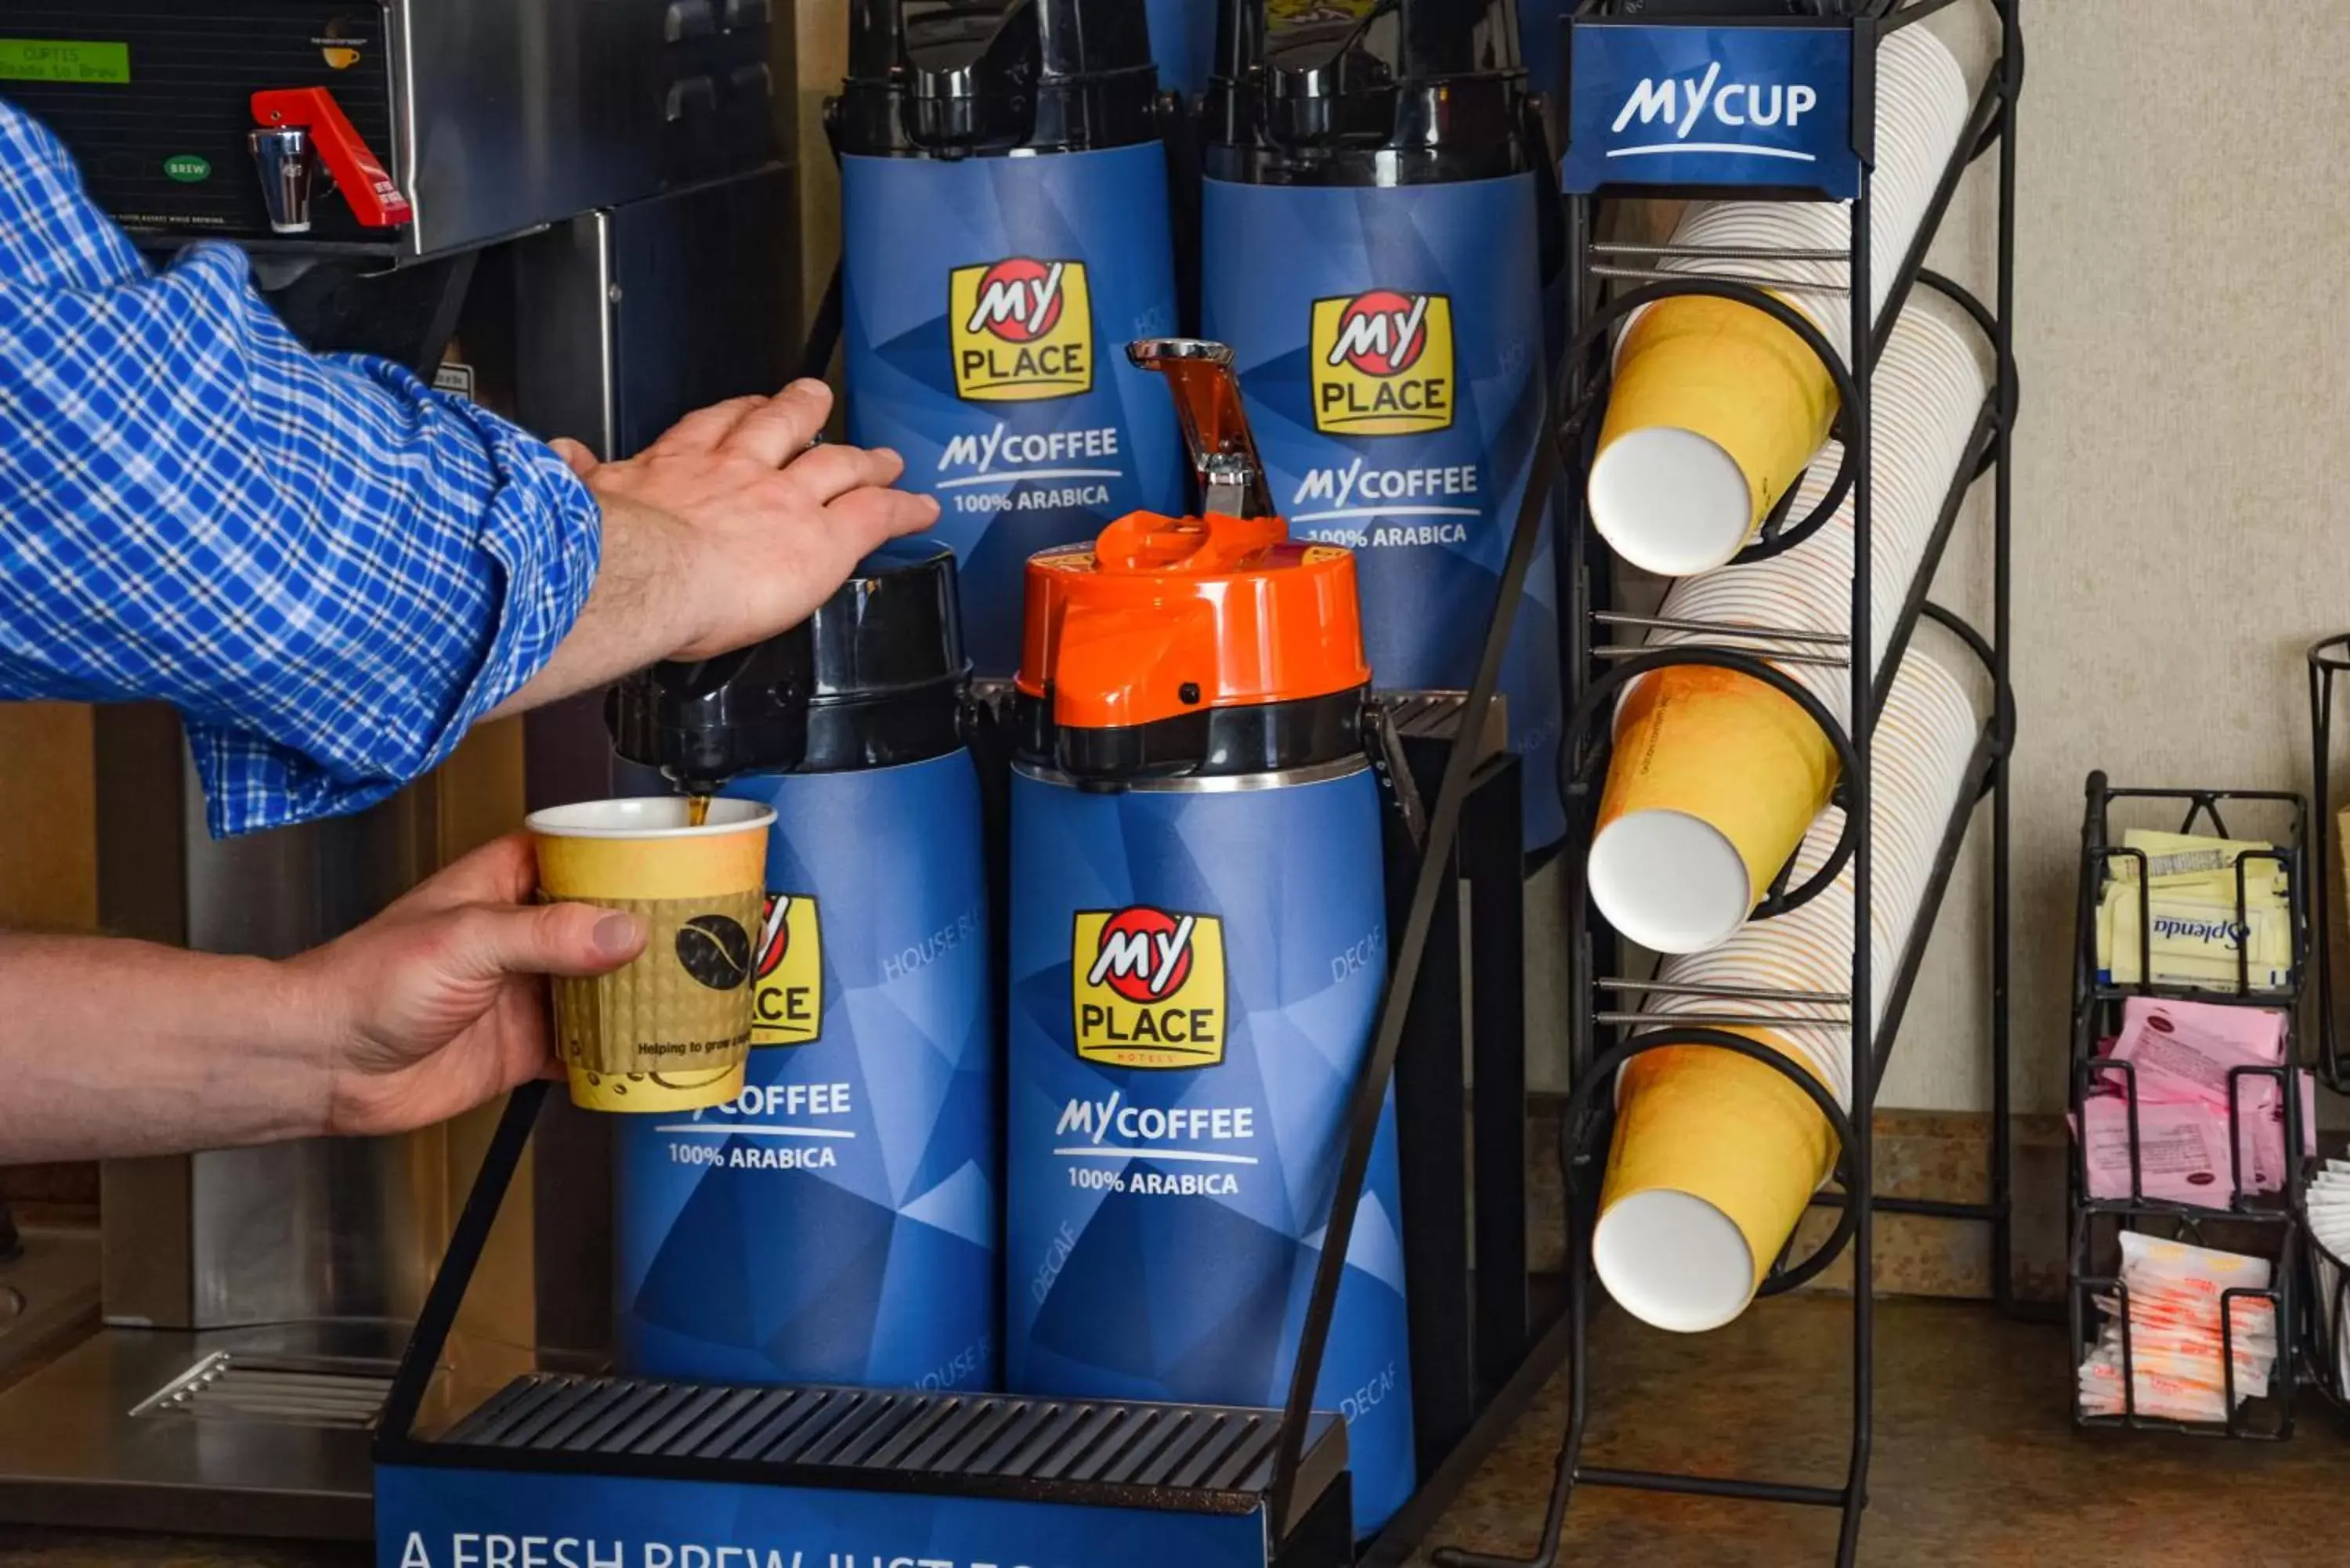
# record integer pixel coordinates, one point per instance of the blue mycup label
(837, 1223)
(1670, 104)
(988, 305)
(1194, 979)
(1389, 342)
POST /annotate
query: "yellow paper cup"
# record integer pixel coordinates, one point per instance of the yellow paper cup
(1716, 412)
(671, 1031)
(1715, 1158)
(1715, 779)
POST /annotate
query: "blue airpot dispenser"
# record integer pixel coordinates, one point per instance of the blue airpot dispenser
(1198, 949)
(837, 1222)
(1005, 228)
(1373, 251)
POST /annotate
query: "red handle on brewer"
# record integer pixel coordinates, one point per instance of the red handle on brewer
(365, 182)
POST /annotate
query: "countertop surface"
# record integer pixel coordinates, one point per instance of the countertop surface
(1976, 1462)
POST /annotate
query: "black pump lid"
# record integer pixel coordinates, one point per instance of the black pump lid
(949, 79)
(874, 679)
(1368, 92)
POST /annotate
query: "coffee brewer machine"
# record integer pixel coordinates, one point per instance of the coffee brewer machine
(579, 215)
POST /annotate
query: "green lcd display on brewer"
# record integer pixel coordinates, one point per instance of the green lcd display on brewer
(62, 60)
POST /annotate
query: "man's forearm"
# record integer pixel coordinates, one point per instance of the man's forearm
(112, 1048)
(627, 622)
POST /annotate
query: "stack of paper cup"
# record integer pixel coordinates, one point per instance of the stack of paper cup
(1715, 410)
(1714, 778)
(1717, 775)
(1928, 393)
(1715, 1157)
(1924, 740)
(1716, 407)
(1712, 1161)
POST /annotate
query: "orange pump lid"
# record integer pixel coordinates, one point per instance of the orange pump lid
(1165, 616)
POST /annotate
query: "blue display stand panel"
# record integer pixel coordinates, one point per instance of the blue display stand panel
(616, 1473)
(1762, 107)
(495, 1518)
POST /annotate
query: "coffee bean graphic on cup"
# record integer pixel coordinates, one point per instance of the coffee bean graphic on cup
(670, 1030)
(715, 951)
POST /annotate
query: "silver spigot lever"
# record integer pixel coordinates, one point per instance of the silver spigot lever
(1214, 423)
(289, 166)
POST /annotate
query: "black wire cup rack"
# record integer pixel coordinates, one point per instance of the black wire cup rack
(2327, 660)
(2324, 1325)
(1616, 1016)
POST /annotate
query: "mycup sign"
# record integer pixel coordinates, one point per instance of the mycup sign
(1730, 106)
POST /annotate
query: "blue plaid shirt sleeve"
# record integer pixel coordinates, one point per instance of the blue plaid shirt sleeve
(331, 570)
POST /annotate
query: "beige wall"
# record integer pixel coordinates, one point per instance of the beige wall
(2180, 455)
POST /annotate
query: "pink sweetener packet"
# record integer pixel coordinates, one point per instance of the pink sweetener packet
(2259, 1128)
(2182, 1145)
(2182, 1150)
(2190, 1046)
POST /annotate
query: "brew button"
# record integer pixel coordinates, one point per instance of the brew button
(747, 13)
(695, 97)
(754, 81)
(688, 19)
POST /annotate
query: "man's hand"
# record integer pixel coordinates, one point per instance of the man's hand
(437, 1004)
(727, 530)
(112, 1048)
(768, 526)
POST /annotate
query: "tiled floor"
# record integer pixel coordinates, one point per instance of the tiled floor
(1975, 1460)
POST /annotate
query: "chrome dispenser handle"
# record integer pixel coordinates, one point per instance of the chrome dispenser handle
(1214, 421)
(289, 166)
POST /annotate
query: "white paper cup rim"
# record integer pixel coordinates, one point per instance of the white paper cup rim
(1673, 1261)
(1669, 880)
(1671, 500)
(649, 816)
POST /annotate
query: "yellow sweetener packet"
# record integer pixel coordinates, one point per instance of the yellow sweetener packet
(2175, 857)
(2194, 942)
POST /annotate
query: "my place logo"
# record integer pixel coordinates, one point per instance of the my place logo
(1383, 363)
(1706, 114)
(787, 1008)
(1148, 987)
(1022, 330)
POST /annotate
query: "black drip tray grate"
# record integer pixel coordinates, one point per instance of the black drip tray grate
(1195, 1457)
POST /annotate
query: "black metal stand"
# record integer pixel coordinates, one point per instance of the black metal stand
(2326, 1353)
(2239, 1218)
(2326, 659)
(2325, 1346)
(1602, 1041)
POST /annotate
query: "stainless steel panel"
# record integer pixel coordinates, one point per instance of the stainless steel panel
(72, 1452)
(137, 776)
(229, 1386)
(328, 1228)
(626, 321)
(48, 1292)
(519, 113)
(566, 347)
(325, 1228)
